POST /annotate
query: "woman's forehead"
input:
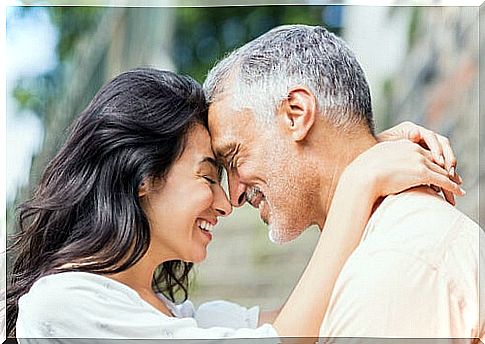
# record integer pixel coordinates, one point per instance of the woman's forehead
(199, 142)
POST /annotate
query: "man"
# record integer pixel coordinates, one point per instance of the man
(288, 112)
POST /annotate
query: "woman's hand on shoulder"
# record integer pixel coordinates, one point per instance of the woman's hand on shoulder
(393, 166)
(438, 145)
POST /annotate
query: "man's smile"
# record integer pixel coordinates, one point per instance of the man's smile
(257, 199)
(254, 196)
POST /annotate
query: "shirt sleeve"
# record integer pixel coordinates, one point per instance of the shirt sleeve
(226, 314)
(53, 312)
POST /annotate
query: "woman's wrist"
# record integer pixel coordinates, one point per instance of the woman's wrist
(359, 182)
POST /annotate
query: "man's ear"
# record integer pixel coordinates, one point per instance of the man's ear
(297, 112)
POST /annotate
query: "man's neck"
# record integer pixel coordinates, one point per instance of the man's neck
(335, 154)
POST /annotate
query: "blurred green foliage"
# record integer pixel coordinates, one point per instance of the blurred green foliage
(204, 35)
(73, 24)
(413, 26)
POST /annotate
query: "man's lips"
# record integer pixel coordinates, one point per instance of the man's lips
(257, 199)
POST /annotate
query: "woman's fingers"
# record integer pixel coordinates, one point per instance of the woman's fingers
(449, 194)
(413, 133)
(441, 150)
(439, 145)
(432, 166)
(445, 183)
(448, 154)
(449, 197)
(394, 166)
(459, 180)
(434, 145)
(428, 139)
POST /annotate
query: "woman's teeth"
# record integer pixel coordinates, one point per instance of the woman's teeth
(205, 225)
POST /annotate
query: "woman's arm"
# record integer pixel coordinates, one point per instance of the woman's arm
(438, 145)
(268, 317)
(388, 167)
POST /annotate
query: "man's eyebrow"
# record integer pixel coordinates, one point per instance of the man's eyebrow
(226, 150)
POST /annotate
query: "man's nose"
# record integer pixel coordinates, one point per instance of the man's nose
(221, 203)
(237, 190)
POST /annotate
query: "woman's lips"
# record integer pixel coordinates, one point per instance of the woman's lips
(205, 227)
(207, 234)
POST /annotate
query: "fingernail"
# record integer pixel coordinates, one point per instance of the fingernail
(452, 171)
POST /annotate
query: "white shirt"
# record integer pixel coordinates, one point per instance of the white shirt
(415, 274)
(85, 305)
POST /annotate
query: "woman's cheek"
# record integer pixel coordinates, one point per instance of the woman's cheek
(203, 198)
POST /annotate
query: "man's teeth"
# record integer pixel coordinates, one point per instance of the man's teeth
(205, 225)
(261, 205)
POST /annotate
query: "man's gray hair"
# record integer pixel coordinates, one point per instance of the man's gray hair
(261, 73)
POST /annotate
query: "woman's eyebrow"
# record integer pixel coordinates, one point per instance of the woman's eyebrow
(210, 160)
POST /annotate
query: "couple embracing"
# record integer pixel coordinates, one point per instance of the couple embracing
(130, 201)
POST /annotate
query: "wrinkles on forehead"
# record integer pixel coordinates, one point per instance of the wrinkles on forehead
(221, 122)
(224, 151)
(231, 130)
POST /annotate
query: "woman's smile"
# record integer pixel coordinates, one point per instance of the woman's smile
(206, 227)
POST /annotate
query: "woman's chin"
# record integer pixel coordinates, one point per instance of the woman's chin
(197, 257)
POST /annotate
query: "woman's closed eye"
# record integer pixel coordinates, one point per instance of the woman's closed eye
(211, 171)
(210, 179)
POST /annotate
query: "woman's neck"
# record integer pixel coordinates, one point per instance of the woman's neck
(139, 277)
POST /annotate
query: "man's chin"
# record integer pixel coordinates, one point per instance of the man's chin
(280, 237)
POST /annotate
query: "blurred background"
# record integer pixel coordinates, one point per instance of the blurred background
(421, 62)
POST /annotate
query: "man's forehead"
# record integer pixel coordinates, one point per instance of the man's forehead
(221, 107)
(228, 127)
(223, 119)
(223, 145)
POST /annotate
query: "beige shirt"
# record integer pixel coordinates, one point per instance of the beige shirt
(414, 274)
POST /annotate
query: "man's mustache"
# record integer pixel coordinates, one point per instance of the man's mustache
(253, 193)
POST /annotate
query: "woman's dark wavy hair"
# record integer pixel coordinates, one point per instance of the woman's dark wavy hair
(86, 208)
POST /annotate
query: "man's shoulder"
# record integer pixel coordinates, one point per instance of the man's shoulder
(419, 223)
(418, 257)
(419, 213)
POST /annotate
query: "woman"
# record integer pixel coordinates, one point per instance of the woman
(128, 205)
